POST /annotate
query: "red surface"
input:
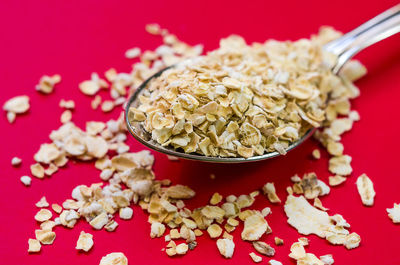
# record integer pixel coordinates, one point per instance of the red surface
(75, 38)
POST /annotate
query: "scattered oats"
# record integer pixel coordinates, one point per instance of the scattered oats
(295, 178)
(394, 213)
(226, 247)
(231, 198)
(299, 254)
(37, 170)
(171, 251)
(316, 154)
(318, 204)
(115, 258)
(336, 180)
(99, 221)
(309, 220)
(174, 233)
(157, 229)
(11, 116)
(352, 241)
(263, 248)
(153, 29)
(311, 186)
(269, 189)
(47, 225)
(214, 230)
(327, 259)
(47, 153)
(216, 198)
(111, 226)
(354, 115)
(198, 232)
(125, 213)
(47, 83)
(274, 262)
(181, 249)
(17, 105)
(96, 102)
(278, 241)
(227, 235)
(254, 227)
(42, 203)
(304, 241)
(107, 106)
(366, 190)
(335, 148)
(132, 53)
(46, 237)
(26, 180)
(340, 165)
(255, 257)
(66, 116)
(85, 241)
(67, 104)
(16, 161)
(34, 245)
(51, 169)
(180, 192)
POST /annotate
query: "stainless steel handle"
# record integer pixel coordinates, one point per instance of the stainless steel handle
(376, 29)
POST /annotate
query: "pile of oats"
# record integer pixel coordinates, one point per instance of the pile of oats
(238, 100)
(244, 100)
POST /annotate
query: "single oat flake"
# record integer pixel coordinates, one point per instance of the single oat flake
(85, 241)
(394, 213)
(366, 190)
(309, 220)
(255, 257)
(115, 258)
(226, 247)
(34, 245)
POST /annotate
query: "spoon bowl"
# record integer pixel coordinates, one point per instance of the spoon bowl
(344, 48)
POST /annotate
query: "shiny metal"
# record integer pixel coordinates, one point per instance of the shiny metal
(345, 47)
(376, 29)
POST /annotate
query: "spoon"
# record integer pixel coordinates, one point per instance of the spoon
(344, 48)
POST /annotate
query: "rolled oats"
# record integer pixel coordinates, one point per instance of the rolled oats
(66, 116)
(255, 257)
(34, 245)
(269, 190)
(278, 241)
(394, 213)
(46, 237)
(16, 161)
(263, 248)
(274, 262)
(316, 154)
(214, 230)
(37, 170)
(47, 83)
(115, 258)
(85, 241)
(26, 180)
(366, 190)
(67, 104)
(133, 53)
(181, 249)
(336, 180)
(254, 227)
(226, 247)
(42, 203)
(340, 165)
(309, 220)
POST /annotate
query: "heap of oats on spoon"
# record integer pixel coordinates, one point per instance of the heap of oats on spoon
(98, 203)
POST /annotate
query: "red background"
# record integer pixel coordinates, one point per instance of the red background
(74, 38)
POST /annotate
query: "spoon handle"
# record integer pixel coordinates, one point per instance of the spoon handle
(376, 29)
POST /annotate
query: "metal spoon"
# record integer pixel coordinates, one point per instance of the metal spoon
(380, 27)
